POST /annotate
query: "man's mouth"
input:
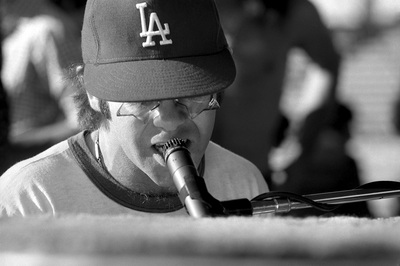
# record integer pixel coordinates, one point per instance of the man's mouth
(159, 147)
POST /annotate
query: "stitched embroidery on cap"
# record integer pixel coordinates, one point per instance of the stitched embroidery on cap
(149, 33)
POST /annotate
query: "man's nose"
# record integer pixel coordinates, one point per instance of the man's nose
(169, 115)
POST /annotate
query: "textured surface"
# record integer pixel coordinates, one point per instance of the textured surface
(101, 240)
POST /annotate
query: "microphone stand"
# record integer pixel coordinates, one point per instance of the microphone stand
(372, 191)
(200, 203)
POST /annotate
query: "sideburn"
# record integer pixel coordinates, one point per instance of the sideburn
(105, 109)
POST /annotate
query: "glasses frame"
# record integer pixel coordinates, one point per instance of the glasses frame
(213, 104)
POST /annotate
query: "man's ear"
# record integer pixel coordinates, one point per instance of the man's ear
(94, 102)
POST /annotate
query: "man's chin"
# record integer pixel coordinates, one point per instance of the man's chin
(159, 159)
(165, 182)
(168, 190)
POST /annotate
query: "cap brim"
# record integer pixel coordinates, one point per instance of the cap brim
(160, 79)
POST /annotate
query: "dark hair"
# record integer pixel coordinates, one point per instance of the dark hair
(280, 6)
(69, 5)
(88, 118)
(265, 7)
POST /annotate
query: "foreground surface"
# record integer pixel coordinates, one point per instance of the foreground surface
(126, 240)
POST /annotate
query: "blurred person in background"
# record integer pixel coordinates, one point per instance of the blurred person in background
(325, 167)
(41, 40)
(261, 34)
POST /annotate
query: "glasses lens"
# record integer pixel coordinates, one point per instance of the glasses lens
(137, 109)
(193, 106)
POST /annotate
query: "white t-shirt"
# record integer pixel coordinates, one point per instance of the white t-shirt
(67, 179)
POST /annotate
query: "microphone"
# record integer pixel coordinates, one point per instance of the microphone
(192, 189)
(200, 203)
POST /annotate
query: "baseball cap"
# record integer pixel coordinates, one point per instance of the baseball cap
(138, 50)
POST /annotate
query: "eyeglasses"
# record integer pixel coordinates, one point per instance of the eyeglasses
(192, 107)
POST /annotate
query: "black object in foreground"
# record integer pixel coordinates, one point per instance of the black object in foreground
(200, 203)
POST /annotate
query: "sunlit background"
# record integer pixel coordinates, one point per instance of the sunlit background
(367, 32)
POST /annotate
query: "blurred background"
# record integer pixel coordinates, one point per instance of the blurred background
(40, 41)
(367, 33)
(281, 114)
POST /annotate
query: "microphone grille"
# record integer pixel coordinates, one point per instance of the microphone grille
(175, 142)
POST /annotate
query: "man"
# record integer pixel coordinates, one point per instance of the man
(153, 71)
(41, 40)
(263, 34)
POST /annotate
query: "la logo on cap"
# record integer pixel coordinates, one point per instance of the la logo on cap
(149, 33)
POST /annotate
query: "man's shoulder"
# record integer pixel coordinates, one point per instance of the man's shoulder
(39, 165)
(23, 187)
(222, 157)
(230, 176)
(303, 14)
